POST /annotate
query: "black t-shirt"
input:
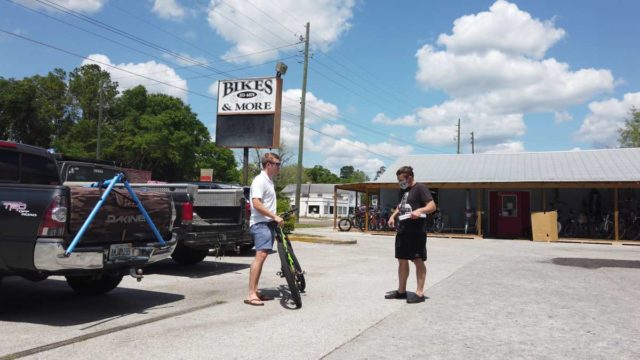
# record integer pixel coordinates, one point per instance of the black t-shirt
(413, 198)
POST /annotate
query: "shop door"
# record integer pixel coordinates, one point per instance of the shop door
(510, 213)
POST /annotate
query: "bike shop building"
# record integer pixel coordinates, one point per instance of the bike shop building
(596, 192)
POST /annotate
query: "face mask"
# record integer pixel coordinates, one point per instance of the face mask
(403, 185)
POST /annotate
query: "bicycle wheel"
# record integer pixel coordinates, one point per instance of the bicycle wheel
(438, 225)
(289, 274)
(344, 224)
(299, 274)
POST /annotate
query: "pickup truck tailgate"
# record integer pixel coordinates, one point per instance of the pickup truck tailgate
(119, 218)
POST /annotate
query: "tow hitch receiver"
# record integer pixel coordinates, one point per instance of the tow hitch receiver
(136, 273)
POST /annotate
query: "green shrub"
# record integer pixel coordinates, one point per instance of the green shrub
(289, 224)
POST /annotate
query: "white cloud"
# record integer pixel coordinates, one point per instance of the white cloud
(508, 147)
(83, 6)
(330, 138)
(504, 28)
(605, 118)
(408, 120)
(439, 123)
(248, 27)
(493, 68)
(185, 59)
(213, 88)
(168, 10)
(335, 130)
(562, 116)
(150, 69)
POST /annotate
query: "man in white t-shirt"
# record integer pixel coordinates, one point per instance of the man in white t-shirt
(262, 222)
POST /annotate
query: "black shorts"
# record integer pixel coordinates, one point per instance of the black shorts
(411, 246)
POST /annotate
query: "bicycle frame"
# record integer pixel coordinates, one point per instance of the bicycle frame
(285, 242)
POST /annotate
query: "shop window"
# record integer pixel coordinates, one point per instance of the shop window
(509, 206)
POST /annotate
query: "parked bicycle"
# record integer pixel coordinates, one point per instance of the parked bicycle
(290, 267)
(354, 220)
(435, 222)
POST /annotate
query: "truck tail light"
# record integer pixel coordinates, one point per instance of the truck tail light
(247, 211)
(187, 213)
(8, 144)
(54, 220)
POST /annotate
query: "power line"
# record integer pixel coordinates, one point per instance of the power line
(320, 112)
(375, 84)
(242, 27)
(269, 16)
(254, 21)
(122, 33)
(333, 137)
(105, 64)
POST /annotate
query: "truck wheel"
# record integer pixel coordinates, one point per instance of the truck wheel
(94, 284)
(185, 256)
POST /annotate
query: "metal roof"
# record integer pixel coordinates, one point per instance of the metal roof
(608, 165)
(305, 189)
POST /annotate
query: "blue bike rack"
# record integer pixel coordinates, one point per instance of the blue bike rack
(110, 184)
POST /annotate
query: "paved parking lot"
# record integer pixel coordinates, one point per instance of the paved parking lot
(487, 299)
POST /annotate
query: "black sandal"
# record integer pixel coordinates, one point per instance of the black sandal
(395, 295)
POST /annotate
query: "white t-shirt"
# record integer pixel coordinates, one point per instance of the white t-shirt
(263, 189)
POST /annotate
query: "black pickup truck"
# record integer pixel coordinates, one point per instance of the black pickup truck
(39, 218)
(211, 218)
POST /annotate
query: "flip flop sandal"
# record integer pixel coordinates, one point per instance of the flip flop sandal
(395, 295)
(254, 302)
(265, 297)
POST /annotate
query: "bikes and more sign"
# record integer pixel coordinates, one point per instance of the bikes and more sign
(249, 113)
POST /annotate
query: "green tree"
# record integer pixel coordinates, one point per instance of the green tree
(359, 176)
(33, 110)
(630, 134)
(380, 172)
(346, 172)
(166, 139)
(320, 175)
(84, 87)
(222, 162)
(288, 175)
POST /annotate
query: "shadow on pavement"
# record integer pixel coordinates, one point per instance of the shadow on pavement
(52, 302)
(197, 271)
(596, 263)
(282, 294)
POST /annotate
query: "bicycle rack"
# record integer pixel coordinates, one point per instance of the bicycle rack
(110, 184)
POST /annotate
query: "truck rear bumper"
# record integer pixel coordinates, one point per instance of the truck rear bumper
(209, 240)
(49, 255)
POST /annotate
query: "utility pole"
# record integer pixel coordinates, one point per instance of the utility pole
(302, 104)
(473, 150)
(458, 136)
(100, 91)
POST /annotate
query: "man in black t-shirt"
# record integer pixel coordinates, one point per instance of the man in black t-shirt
(411, 240)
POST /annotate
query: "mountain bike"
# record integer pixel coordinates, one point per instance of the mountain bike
(290, 269)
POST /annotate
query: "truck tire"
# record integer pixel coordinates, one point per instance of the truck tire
(186, 256)
(94, 284)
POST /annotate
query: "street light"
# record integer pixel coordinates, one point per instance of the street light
(281, 69)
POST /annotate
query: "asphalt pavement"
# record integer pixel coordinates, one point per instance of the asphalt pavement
(493, 299)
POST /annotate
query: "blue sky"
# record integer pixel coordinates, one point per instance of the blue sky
(386, 78)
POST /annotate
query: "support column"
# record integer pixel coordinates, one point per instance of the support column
(335, 208)
(479, 211)
(616, 234)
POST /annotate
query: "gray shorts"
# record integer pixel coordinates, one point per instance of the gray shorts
(262, 235)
